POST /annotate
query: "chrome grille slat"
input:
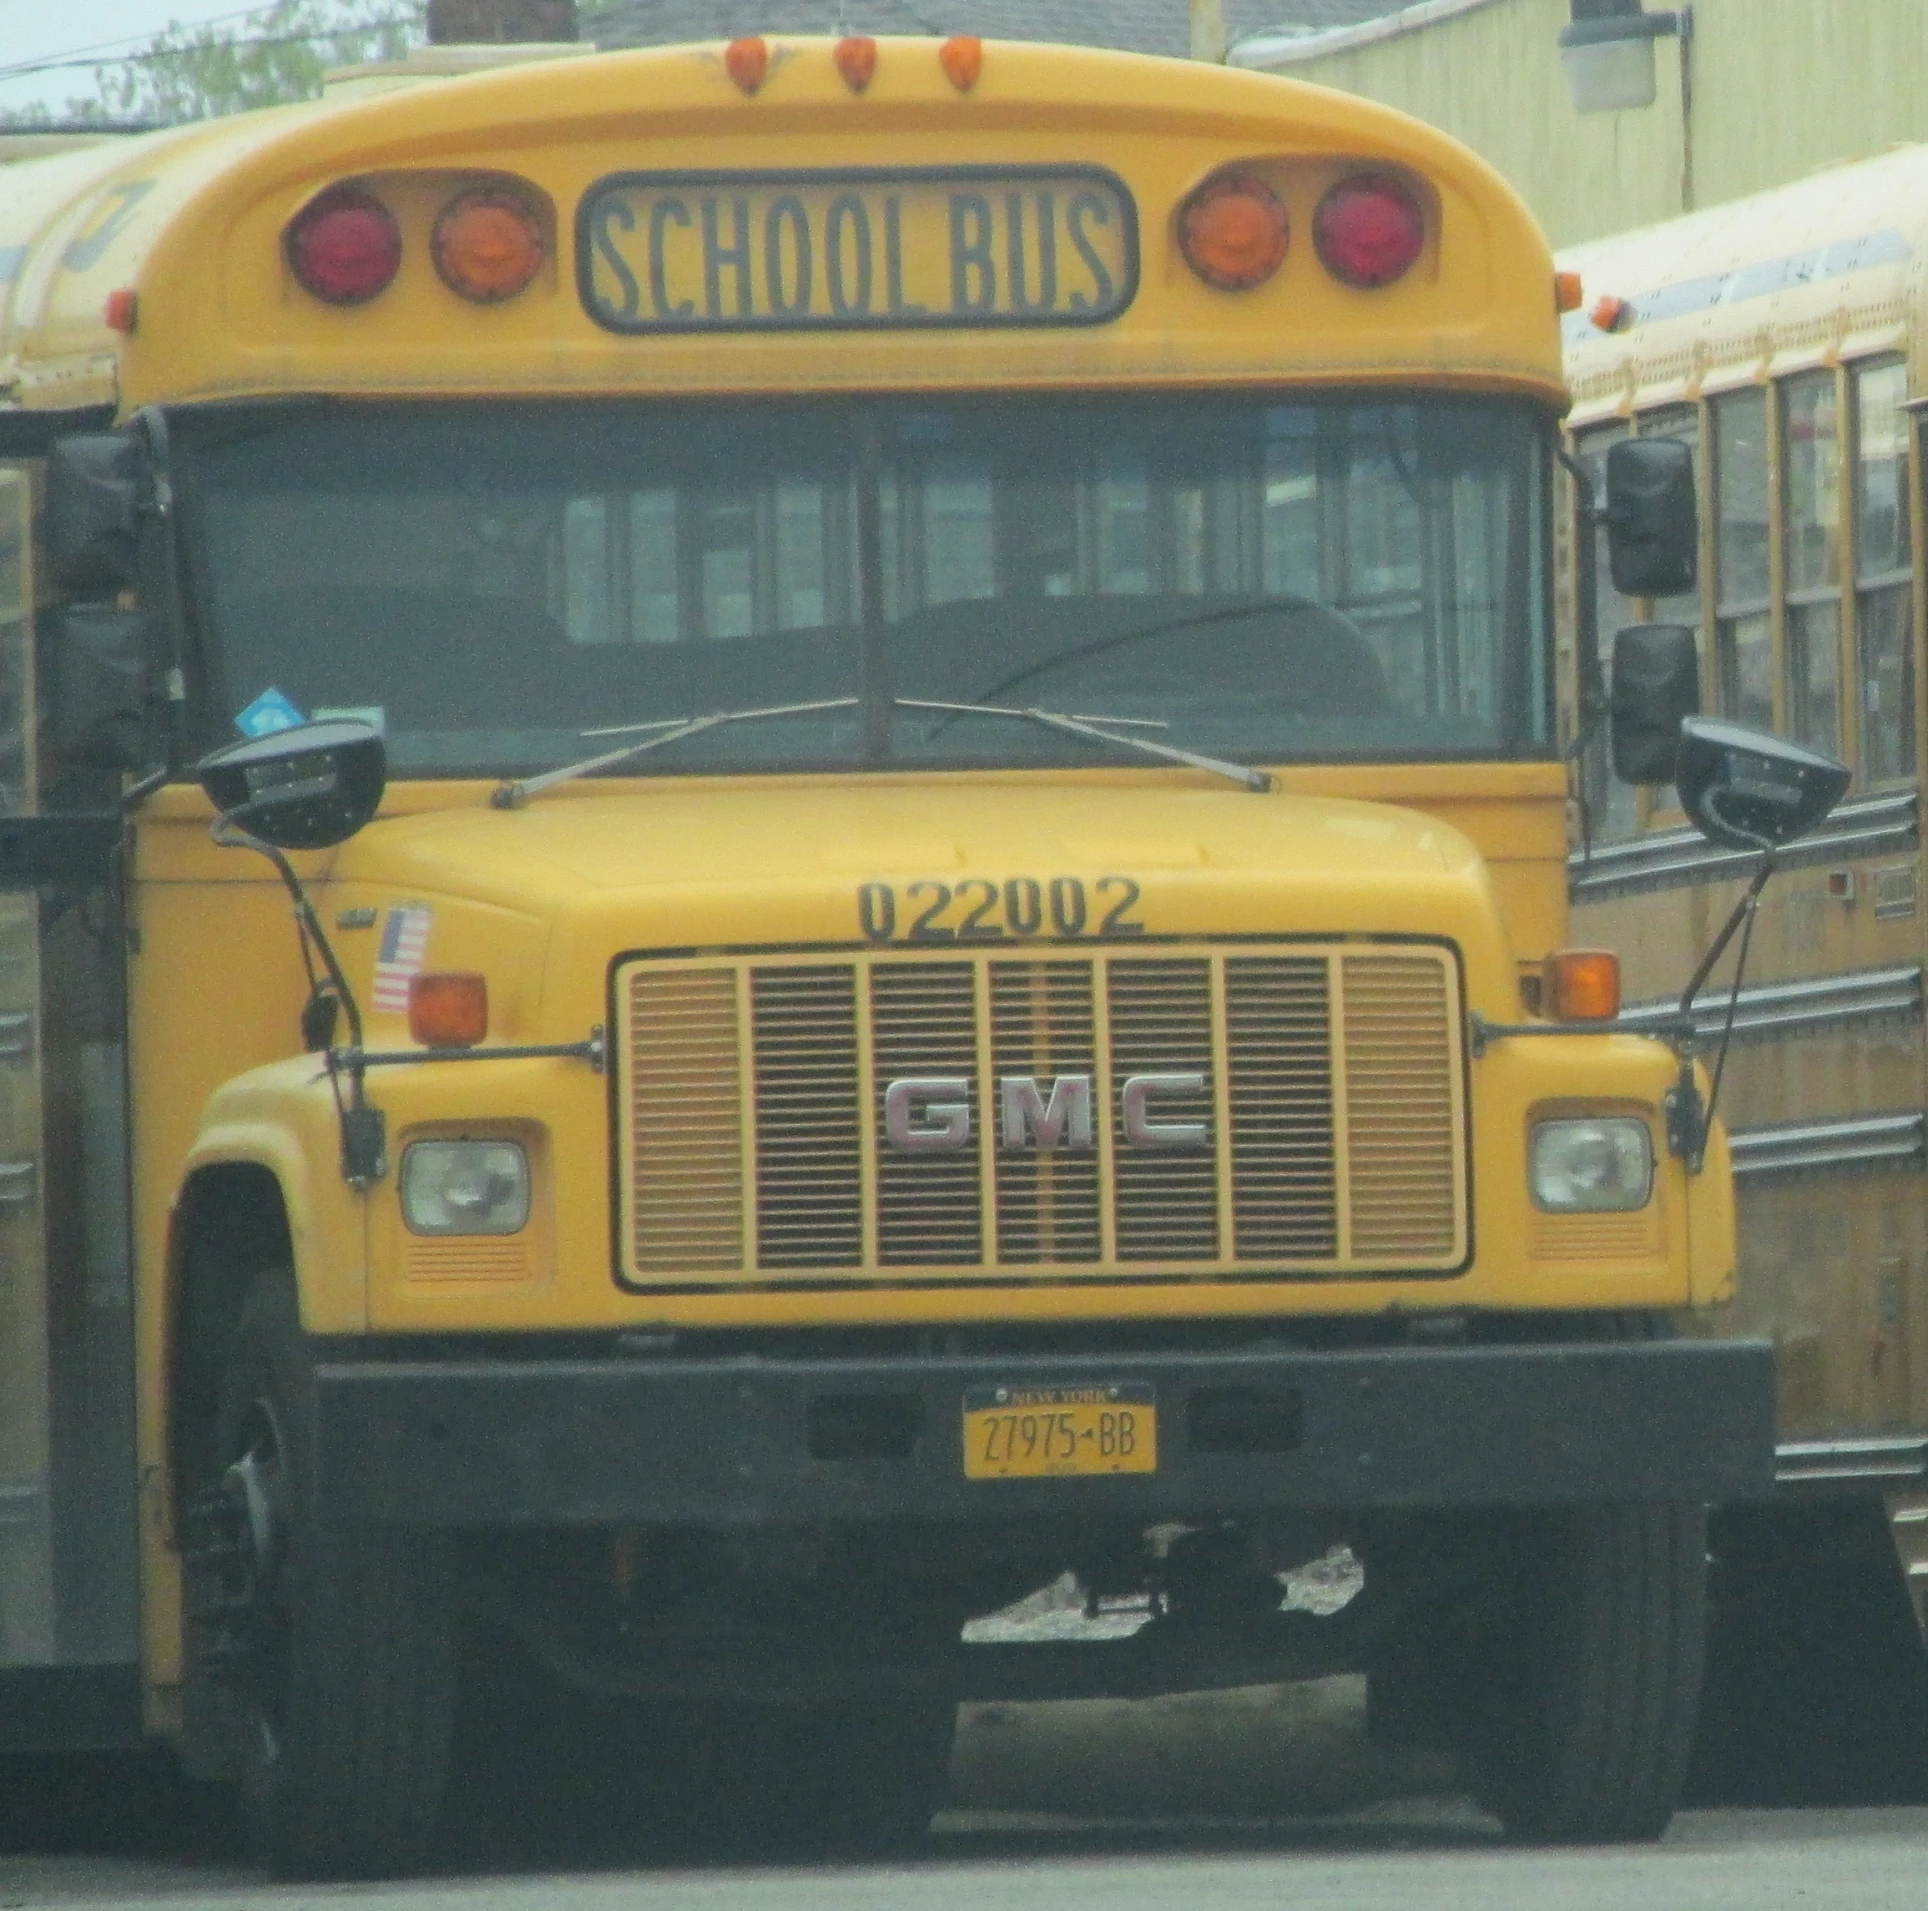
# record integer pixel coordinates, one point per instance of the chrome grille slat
(752, 1113)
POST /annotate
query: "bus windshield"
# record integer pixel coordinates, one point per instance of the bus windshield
(1266, 577)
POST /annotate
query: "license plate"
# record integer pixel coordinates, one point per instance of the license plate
(1034, 1433)
(854, 250)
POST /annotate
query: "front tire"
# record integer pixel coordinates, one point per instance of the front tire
(320, 1664)
(1590, 1674)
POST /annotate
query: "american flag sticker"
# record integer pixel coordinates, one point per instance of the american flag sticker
(399, 959)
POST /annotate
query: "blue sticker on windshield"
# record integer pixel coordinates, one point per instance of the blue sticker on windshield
(269, 712)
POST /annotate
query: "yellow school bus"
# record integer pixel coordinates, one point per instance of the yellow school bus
(1779, 336)
(905, 695)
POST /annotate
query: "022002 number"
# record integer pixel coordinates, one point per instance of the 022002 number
(978, 910)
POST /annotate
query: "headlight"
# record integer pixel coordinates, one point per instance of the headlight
(1591, 1166)
(465, 1187)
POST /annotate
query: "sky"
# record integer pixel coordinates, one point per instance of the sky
(36, 30)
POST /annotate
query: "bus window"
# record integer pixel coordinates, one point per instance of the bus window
(1743, 634)
(1614, 804)
(1883, 573)
(1811, 559)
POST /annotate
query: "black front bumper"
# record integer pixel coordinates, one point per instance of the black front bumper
(751, 1442)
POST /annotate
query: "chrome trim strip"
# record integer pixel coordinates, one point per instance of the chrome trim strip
(1890, 821)
(1806, 1462)
(1777, 1007)
(1828, 1144)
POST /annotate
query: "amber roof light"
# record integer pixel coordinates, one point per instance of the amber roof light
(1233, 232)
(488, 244)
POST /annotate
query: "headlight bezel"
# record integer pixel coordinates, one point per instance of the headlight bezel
(427, 1183)
(1626, 1138)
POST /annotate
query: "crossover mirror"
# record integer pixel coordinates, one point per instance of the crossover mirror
(309, 787)
(92, 516)
(1655, 687)
(1653, 527)
(1745, 789)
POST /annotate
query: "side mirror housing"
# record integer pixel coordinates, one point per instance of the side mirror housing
(1653, 525)
(1745, 789)
(309, 787)
(1655, 687)
(91, 515)
(97, 691)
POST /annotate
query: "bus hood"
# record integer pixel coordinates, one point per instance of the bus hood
(928, 862)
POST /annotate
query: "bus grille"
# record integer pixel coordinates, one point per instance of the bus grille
(1321, 1088)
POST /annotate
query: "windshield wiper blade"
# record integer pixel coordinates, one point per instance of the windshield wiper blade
(512, 795)
(1087, 726)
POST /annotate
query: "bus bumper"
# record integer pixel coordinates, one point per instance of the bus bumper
(752, 1442)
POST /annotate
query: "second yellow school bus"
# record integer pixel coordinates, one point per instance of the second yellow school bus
(943, 656)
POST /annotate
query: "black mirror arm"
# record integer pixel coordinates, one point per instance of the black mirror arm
(364, 1148)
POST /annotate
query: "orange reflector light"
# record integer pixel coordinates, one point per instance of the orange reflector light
(449, 1009)
(1369, 230)
(1581, 985)
(962, 58)
(1567, 292)
(1233, 232)
(747, 62)
(488, 245)
(121, 309)
(1610, 314)
(856, 58)
(344, 247)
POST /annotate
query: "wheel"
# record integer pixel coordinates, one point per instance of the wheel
(320, 1664)
(1588, 1674)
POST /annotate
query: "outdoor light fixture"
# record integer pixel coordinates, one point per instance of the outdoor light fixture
(1608, 52)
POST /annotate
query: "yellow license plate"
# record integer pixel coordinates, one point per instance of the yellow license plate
(1034, 1433)
(855, 250)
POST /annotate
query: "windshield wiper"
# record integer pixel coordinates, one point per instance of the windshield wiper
(512, 795)
(1240, 773)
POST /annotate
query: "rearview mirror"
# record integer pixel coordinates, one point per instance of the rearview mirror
(1656, 685)
(1745, 789)
(309, 787)
(91, 517)
(1653, 527)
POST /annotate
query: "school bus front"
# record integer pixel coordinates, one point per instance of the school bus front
(942, 990)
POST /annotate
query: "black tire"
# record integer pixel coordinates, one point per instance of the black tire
(1590, 1674)
(320, 1662)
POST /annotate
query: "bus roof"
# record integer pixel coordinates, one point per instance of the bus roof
(191, 222)
(1826, 268)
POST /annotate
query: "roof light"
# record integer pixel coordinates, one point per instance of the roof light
(1369, 230)
(120, 310)
(1610, 314)
(449, 1009)
(1233, 232)
(856, 58)
(1567, 291)
(747, 62)
(488, 244)
(345, 246)
(962, 58)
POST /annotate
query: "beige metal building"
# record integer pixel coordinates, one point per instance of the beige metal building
(1767, 91)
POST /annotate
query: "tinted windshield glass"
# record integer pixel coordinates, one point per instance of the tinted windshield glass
(1270, 580)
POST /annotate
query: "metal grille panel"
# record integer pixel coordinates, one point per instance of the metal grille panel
(1328, 1110)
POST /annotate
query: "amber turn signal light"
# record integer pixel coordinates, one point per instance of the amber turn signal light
(1581, 985)
(448, 1009)
(1233, 232)
(488, 245)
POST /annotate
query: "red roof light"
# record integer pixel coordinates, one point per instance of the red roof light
(1369, 230)
(345, 247)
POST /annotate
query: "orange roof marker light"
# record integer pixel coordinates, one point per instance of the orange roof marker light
(1369, 231)
(856, 58)
(1567, 292)
(344, 246)
(488, 244)
(449, 1009)
(120, 311)
(1581, 985)
(747, 62)
(1234, 232)
(962, 58)
(1610, 314)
